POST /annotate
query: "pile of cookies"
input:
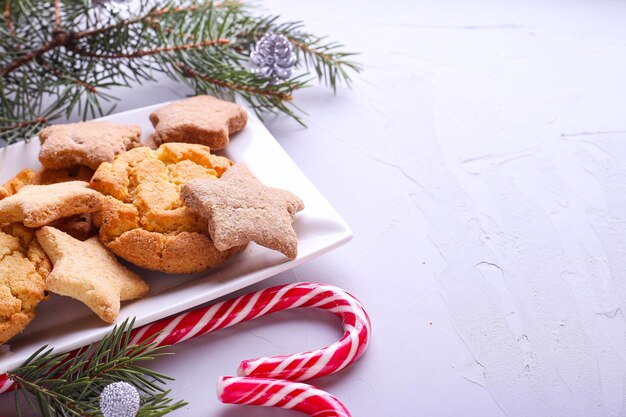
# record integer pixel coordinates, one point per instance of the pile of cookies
(173, 207)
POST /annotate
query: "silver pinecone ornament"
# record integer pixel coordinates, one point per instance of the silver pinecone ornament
(273, 57)
(119, 399)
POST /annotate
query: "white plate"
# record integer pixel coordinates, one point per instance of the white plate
(66, 324)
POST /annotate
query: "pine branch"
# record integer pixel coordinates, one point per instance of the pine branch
(58, 58)
(70, 385)
(276, 93)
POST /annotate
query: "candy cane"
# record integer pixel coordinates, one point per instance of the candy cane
(279, 393)
(299, 366)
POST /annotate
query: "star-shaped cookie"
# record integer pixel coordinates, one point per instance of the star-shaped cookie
(240, 209)
(204, 120)
(88, 272)
(37, 205)
(86, 143)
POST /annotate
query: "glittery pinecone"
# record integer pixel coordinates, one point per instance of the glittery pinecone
(119, 399)
(273, 57)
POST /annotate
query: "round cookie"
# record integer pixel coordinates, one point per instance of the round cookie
(24, 267)
(143, 219)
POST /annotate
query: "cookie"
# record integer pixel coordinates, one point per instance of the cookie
(44, 177)
(37, 205)
(48, 176)
(240, 209)
(22, 178)
(143, 219)
(86, 143)
(204, 120)
(24, 267)
(88, 272)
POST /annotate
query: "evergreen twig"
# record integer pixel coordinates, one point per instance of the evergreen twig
(59, 57)
(70, 385)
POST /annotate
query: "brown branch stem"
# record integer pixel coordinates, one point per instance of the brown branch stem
(7, 16)
(57, 14)
(147, 17)
(63, 38)
(147, 52)
(188, 72)
(39, 120)
(59, 37)
(59, 74)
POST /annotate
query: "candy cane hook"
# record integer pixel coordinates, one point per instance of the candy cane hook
(297, 367)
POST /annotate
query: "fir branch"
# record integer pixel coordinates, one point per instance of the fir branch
(60, 75)
(276, 93)
(59, 58)
(70, 385)
(58, 39)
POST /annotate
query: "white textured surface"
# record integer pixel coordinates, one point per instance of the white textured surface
(480, 162)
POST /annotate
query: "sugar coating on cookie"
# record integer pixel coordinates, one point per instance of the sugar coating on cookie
(143, 219)
(240, 209)
(204, 120)
(86, 143)
(38, 205)
(24, 267)
(88, 272)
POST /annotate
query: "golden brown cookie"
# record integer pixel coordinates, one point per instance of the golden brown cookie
(37, 205)
(88, 272)
(22, 178)
(143, 219)
(24, 267)
(44, 177)
(53, 176)
(240, 209)
(202, 119)
(86, 143)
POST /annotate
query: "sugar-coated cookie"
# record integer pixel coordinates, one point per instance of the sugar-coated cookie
(143, 219)
(86, 143)
(202, 119)
(88, 272)
(37, 205)
(240, 209)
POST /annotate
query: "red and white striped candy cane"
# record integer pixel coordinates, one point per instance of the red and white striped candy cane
(279, 393)
(299, 366)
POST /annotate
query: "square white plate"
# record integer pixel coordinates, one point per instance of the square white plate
(66, 324)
